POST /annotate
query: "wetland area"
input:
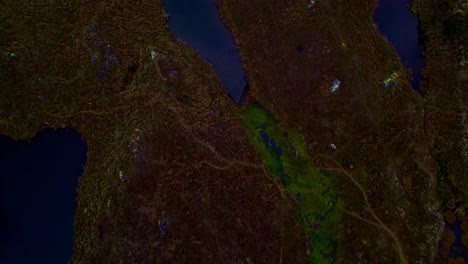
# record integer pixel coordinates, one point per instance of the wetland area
(161, 129)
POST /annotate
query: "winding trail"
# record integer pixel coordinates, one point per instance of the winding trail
(229, 162)
(338, 169)
(398, 246)
(232, 162)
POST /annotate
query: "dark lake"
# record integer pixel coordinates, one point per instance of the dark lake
(38, 186)
(396, 21)
(199, 25)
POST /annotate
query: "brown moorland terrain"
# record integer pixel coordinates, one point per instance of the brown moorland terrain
(169, 149)
(155, 153)
(292, 53)
(444, 32)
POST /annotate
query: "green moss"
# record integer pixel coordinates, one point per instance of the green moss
(320, 206)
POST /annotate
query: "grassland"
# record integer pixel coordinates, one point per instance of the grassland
(313, 190)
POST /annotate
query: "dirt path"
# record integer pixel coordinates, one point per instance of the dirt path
(339, 168)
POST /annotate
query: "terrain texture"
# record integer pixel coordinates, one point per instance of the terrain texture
(178, 173)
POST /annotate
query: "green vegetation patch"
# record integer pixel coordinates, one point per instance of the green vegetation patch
(284, 154)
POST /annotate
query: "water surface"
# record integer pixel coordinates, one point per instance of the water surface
(396, 21)
(38, 182)
(199, 25)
